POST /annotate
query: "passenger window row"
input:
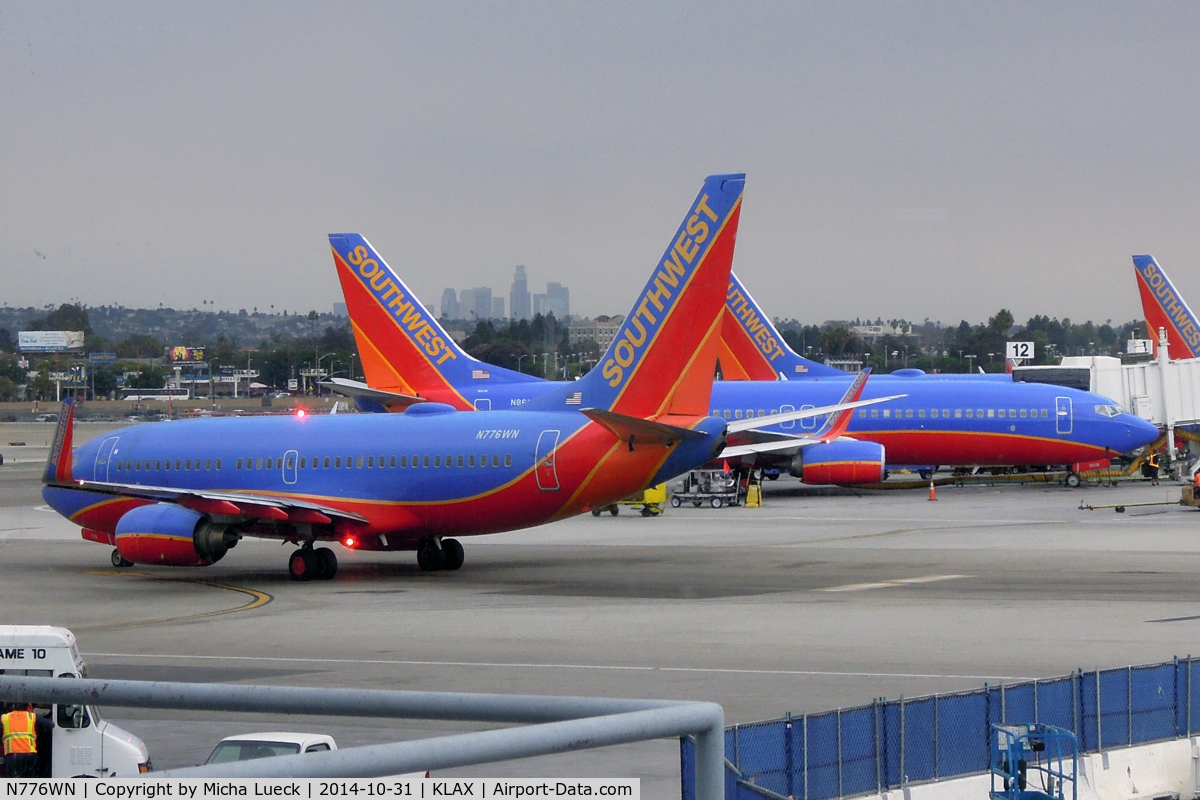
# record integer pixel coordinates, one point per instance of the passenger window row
(373, 462)
(959, 413)
(160, 465)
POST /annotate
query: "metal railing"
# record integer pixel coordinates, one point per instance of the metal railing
(551, 724)
(890, 744)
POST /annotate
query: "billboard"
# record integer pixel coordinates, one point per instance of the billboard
(49, 341)
(178, 355)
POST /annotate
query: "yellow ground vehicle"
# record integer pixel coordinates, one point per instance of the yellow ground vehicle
(652, 501)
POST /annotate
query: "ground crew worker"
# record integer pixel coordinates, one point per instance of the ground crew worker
(20, 741)
(1152, 468)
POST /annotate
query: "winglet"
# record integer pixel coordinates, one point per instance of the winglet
(1164, 307)
(58, 466)
(836, 425)
(752, 349)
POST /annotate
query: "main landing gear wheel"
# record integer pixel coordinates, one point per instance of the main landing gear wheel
(1073, 480)
(328, 563)
(119, 561)
(431, 557)
(304, 565)
(454, 554)
(596, 512)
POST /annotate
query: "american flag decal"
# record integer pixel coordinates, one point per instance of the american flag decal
(480, 374)
(575, 399)
(801, 368)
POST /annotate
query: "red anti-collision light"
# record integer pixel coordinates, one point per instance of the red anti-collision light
(349, 541)
(300, 412)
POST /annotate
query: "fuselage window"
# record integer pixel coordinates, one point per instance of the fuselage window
(137, 466)
(716, 412)
(483, 461)
(291, 462)
(303, 462)
(359, 463)
(208, 463)
(337, 462)
(392, 461)
(495, 461)
(119, 464)
(157, 465)
(737, 413)
(508, 461)
(1024, 413)
(147, 465)
(458, 462)
(471, 461)
(371, 462)
(970, 413)
(862, 413)
(167, 465)
(424, 461)
(1000, 413)
(325, 463)
(1042, 414)
(920, 413)
(874, 413)
(128, 465)
(1012, 413)
(991, 412)
(945, 413)
(437, 461)
(958, 413)
(187, 463)
(726, 412)
(218, 463)
(908, 413)
(887, 413)
(762, 413)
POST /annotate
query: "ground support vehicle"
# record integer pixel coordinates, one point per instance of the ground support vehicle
(713, 487)
(82, 745)
(249, 746)
(651, 502)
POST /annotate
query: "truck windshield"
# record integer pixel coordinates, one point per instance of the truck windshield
(248, 750)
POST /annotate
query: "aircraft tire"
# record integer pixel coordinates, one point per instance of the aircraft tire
(328, 562)
(596, 512)
(430, 557)
(614, 509)
(454, 553)
(303, 565)
(119, 560)
(926, 474)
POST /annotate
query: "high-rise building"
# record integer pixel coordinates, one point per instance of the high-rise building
(518, 295)
(556, 301)
(450, 306)
(497, 308)
(476, 303)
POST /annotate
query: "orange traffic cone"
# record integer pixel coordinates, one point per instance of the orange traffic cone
(932, 493)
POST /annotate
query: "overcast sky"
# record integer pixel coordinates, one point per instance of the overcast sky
(902, 159)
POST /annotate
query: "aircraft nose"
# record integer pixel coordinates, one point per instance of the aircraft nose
(1141, 433)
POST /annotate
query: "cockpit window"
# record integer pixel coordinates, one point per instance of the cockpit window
(1113, 410)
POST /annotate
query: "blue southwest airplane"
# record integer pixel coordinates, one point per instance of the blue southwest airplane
(184, 493)
(968, 421)
(1165, 308)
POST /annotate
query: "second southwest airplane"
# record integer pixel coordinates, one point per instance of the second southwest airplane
(183, 493)
(970, 420)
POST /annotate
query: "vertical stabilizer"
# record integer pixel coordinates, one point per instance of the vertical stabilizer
(58, 465)
(753, 350)
(662, 359)
(403, 347)
(1164, 307)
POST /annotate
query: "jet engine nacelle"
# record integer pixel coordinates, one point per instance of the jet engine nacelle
(167, 534)
(842, 463)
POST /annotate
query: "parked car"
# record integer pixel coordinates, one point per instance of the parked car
(249, 746)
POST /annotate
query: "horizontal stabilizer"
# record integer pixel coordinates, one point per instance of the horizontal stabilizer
(638, 430)
(357, 390)
(754, 423)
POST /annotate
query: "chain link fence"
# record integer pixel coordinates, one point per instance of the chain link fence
(890, 744)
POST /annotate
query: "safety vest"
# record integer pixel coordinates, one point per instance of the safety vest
(19, 735)
(1153, 460)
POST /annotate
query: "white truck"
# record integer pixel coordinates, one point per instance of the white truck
(82, 744)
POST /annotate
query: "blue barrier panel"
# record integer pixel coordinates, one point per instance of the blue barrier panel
(1086, 698)
(1193, 681)
(1056, 703)
(687, 769)
(823, 777)
(918, 740)
(762, 756)
(1016, 703)
(858, 750)
(1114, 708)
(1153, 703)
(961, 738)
(890, 743)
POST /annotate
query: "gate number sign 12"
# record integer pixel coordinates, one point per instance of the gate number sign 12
(1019, 350)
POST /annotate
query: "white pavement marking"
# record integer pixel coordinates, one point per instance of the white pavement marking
(862, 587)
(518, 665)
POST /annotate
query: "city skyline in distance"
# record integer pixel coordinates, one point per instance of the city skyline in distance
(482, 302)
